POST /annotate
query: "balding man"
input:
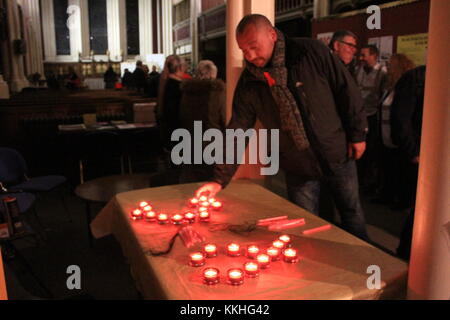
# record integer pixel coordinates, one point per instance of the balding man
(300, 87)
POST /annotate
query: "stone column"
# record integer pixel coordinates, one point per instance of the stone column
(115, 34)
(17, 80)
(4, 88)
(196, 6)
(145, 29)
(429, 271)
(79, 32)
(48, 28)
(167, 29)
(321, 8)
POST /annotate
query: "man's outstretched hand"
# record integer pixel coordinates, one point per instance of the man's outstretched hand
(210, 188)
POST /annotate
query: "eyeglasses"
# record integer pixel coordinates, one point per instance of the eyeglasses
(349, 44)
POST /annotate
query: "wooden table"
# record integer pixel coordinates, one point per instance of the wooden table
(334, 264)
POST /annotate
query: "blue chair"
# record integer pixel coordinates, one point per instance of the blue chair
(13, 176)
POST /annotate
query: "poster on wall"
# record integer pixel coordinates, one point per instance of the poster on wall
(414, 46)
(325, 37)
(384, 45)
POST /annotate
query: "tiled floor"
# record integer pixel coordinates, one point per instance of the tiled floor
(104, 271)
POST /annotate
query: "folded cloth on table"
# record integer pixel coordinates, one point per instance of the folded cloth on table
(155, 239)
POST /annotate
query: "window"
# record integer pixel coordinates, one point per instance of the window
(62, 35)
(132, 8)
(98, 28)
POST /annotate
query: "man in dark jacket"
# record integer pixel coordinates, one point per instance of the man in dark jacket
(301, 88)
(406, 131)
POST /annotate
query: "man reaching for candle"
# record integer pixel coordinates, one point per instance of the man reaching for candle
(318, 109)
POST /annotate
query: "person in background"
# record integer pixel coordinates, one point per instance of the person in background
(169, 98)
(73, 80)
(154, 72)
(139, 76)
(371, 78)
(110, 78)
(390, 191)
(203, 99)
(127, 79)
(406, 124)
(343, 43)
(153, 83)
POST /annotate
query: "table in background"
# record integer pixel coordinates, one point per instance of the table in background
(101, 190)
(95, 83)
(334, 264)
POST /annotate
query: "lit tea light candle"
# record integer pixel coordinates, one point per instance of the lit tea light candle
(147, 208)
(278, 244)
(216, 205)
(204, 216)
(210, 250)
(203, 198)
(252, 251)
(150, 216)
(193, 202)
(143, 204)
(290, 255)
(197, 259)
(189, 217)
(211, 200)
(202, 209)
(204, 204)
(286, 239)
(273, 253)
(163, 218)
(263, 260)
(177, 219)
(251, 269)
(211, 276)
(234, 250)
(235, 277)
(136, 214)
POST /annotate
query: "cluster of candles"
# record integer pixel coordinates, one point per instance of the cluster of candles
(280, 249)
(145, 211)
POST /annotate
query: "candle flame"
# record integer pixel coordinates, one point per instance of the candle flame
(285, 238)
(278, 244)
(143, 204)
(290, 252)
(233, 247)
(235, 274)
(210, 248)
(251, 266)
(197, 256)
(253, 249)
(211, 273)
(263, 258)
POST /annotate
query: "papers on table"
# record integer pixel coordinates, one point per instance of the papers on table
(71, 127)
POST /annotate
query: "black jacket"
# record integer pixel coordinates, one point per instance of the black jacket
(407, 111)
(329, 101)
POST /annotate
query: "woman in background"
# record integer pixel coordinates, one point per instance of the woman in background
(203, 100)
(391, 191)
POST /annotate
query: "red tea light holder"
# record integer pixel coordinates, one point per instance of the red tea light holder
(211, 276)
(235, 276)
(210, 250)
(202, 209)
(163, 218)
(286, 239)
(274, 253)
(189, 217)
(251, 269)
(252, 251)
(150, 216)
(193, 202)
(197, 259)
(290, 255)
(177, 219)
(279, 244)
(234, 250)
(263, 261)
(216, 205)
(204, 216)
(136, 214)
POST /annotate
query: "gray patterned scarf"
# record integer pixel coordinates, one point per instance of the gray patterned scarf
(277, 77)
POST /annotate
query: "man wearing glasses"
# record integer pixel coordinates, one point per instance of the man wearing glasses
(343, 44)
